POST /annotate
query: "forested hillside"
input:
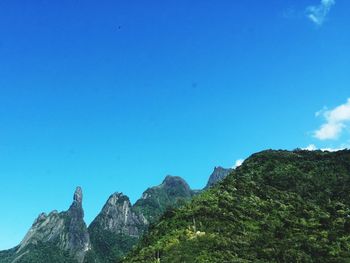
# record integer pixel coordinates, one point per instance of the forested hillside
(279, 206)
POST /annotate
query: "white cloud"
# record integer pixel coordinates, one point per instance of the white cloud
(238, 163)
(321, 112)
(336, 122)
(313, 147)
(332, 149)
(329, 131)
(318, 13)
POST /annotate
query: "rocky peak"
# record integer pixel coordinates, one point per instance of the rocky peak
(76, 208)
(116, 198)
(42, 217)
(157, 199)
(172, 181)
(117, 216)
(218, 175)
(175, 185)
(78, 195)
(66, 230)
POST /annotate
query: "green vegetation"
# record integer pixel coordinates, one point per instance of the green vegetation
(7, 255)
(40, 253)
(109, 247)
(279, 206)
(174, 191)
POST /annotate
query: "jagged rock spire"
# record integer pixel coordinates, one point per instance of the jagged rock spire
(78, 195)
(66, 230)
(76, 208)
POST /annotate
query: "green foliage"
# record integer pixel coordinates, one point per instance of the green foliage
(109, 247)
(7, 255)
(279, 206)
(40, 253)
(172, 192)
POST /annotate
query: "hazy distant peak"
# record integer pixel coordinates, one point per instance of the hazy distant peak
(217, 175)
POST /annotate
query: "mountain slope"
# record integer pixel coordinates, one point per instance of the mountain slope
(119, 225)
(279, 206)
(217, 176)
(60, 237)
(115, 230)
(63, 237)
(156, 200)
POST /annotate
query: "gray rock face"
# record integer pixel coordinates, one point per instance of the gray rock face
(78, 236)
(120, 224)
(117, 227)
(120, 217)
(45, 228)
(117, 216)
(67, 230)
(218, 175)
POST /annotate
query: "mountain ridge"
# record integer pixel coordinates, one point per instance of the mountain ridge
(120, 223)
(279, 206)
(66, 231)
(65, 236)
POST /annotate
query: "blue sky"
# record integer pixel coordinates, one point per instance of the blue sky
(114, 95)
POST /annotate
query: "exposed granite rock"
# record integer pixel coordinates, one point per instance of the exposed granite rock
(116, 228)
(117, 216)
(66, 230)
(217, 176)
(120, 224)
(78, 236)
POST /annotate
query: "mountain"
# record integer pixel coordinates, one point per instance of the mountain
(279, 206)
(119, 225)
(156, 200)
(217, 176)
(60, 237)
(63, 236)
(115, 230)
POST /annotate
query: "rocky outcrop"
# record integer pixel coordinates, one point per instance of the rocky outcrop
(120, 224)
(117, 216)
(217, 176)
(112, 233)
(66, 230)
(78, 237)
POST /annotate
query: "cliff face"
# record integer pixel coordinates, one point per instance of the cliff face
(64, 237)
(78, 237)
(217, 176)
(119, 224)
(65, 230)
(117, 216)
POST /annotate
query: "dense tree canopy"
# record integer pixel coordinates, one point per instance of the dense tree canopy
(279, 206)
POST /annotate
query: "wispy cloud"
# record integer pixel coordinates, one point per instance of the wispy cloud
(238, 162)
(318, 13)
(313, 147)
(336, 119)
